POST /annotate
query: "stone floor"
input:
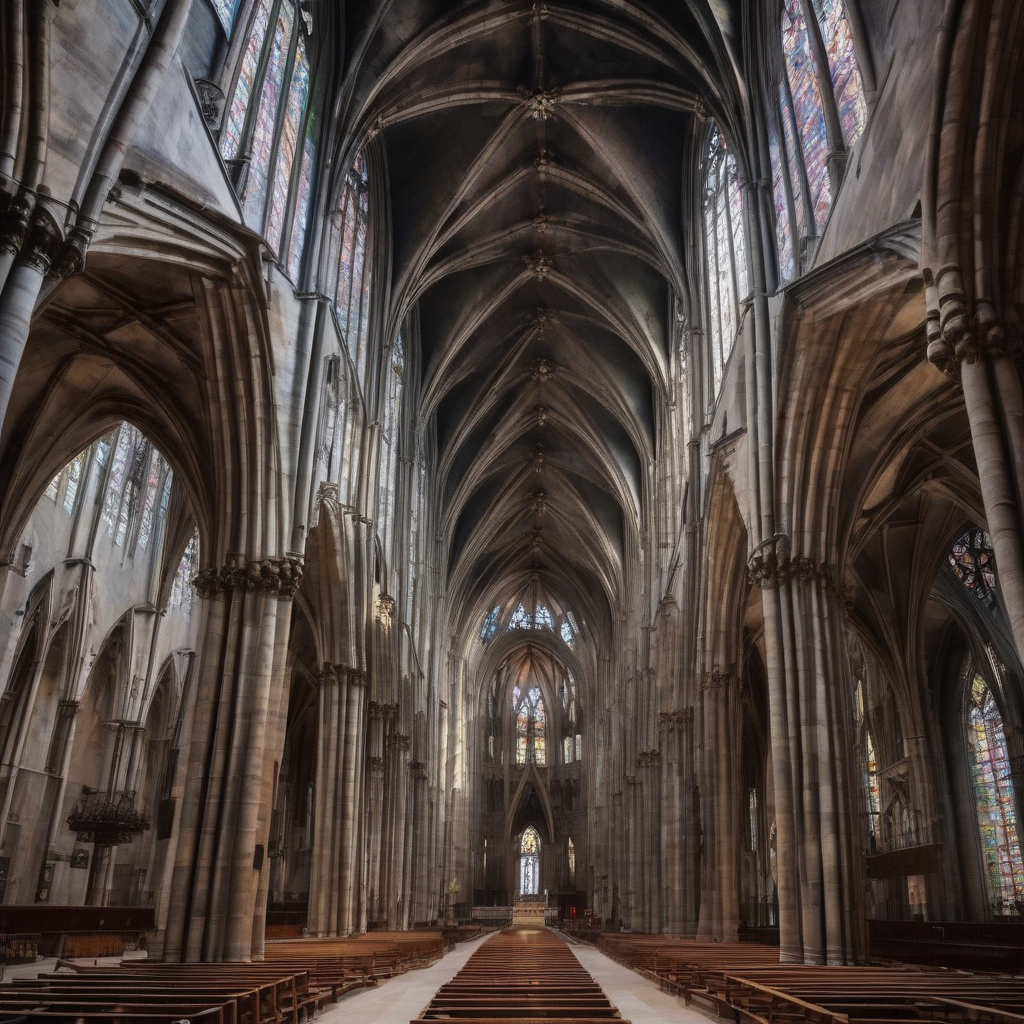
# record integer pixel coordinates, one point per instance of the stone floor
(638, 1000)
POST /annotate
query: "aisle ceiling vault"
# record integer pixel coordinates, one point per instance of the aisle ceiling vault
(534, 155)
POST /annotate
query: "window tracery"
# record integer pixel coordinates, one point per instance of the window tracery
(996, 802)
(226, 11)
(182, 592)
(725, 251)
(801, 144)
(269, 135)
(489, 627)
(529, 862)
(351, 276)
(531, 726)
(974, 563)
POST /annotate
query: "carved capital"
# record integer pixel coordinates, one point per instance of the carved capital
(375, 765)
(356, 677)
(713, 680)
(42, 242)
(14, 222)
(331, 675)
(678, 717)
(648, 758)
(417, 769)
(279, 576)
(382, 712)
(773, 563)
(398, 741)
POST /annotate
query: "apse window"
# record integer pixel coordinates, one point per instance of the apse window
(529, 862)
(531, 726)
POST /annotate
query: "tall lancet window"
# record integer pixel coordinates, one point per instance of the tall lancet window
(350, 222)
(821, 114)
(529, 862)
(531, 725)
(993, 789)
(726, 252)
(226, 11)
(268, 130)
(387, 488)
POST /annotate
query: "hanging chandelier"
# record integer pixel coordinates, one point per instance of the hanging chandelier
(107, 819)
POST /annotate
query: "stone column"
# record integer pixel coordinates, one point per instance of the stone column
(215, 885)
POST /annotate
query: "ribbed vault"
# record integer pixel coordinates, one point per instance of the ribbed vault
(534, 155)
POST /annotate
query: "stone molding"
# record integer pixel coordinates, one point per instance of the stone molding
(279, 576)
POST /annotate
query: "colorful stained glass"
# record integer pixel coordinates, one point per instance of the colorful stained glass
(739, 246)
(843, 68)
(530, 842)
(568, 630)
(539, 716)
(783, 233)
(792, 156)
(298, 236)
(490, 623)
(231, 137)
(996, 802)
(295, 106)
(807, 108)
(254, 199)
(871, 787)
(974, 563)
(123, 452)
(522, 733)
(225, 11)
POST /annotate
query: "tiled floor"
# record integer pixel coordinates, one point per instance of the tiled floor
(637, 999)
(401, 999)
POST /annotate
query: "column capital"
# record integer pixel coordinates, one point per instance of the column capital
(279, 576)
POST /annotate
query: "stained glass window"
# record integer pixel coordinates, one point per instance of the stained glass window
(298, 236)
(522, 733)
(974, 563)
(572, 861)
(254, 198)
(568, 630)
(752, 812)
(149, 503)
(783, 231)
(726, 251)
(567, 751)
(539, 727)
(807, 108)
(231, 136)
(579, 747)
(542, 618)
(387, 487)
(844, 71)
(529, 862)
(351, 296)
(225, 11)
(871, 788)
(490, 623)
(288, 145)
(120, 465)
(181, 585)
(993, 788)
(520, 618)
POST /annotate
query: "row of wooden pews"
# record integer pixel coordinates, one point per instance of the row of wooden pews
(748, 984)
(296, 979)
(526, 976)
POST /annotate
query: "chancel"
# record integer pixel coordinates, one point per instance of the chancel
(538, 464)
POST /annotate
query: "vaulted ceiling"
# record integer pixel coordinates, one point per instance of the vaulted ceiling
(535, 156)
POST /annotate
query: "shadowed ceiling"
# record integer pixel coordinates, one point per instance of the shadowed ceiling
(535, 162)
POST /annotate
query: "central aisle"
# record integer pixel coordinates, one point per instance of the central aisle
(526, 975)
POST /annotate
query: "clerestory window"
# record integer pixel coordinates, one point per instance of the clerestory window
(531, 725)
(269, 131)
(820, 115)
